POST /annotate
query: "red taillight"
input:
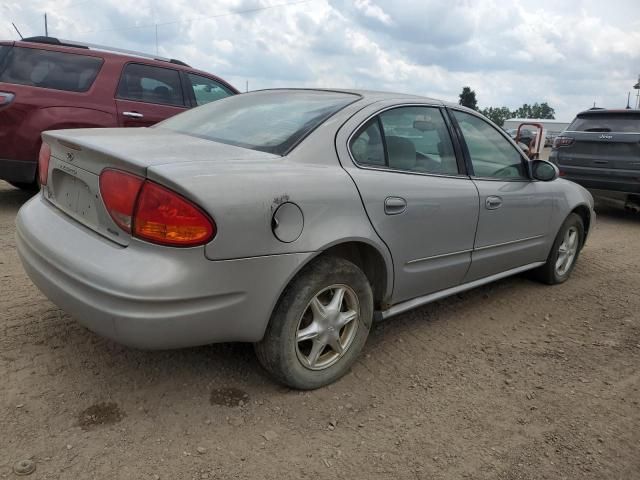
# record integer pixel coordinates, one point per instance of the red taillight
(6, 98)
(152, 212)
(43, 163)
(119, 192)
(562, 142)
(164, 217)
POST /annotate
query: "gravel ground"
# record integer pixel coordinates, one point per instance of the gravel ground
(514, 380)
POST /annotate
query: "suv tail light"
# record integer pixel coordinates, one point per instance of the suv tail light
(152, 212)
(6, 98)
(562, 142)
(43, 163)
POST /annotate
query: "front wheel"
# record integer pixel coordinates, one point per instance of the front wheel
(564, 252)
(319, 326)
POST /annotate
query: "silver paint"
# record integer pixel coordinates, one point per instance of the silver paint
(444, 240)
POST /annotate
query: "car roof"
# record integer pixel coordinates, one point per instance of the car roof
(58, 45)
(605, 111)
(373, 96)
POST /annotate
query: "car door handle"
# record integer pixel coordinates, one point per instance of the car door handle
(394, 205)
(133, 114)
(493, 202)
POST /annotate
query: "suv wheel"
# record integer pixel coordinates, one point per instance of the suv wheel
(319, 326)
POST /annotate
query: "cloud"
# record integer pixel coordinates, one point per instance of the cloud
(566, 53)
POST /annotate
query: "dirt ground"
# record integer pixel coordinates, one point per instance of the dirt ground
(514, 380)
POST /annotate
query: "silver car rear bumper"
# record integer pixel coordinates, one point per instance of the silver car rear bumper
(144, 295)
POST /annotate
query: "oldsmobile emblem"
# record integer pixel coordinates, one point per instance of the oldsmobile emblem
(70, 156)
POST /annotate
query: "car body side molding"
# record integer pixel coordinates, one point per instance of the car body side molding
(432, 297)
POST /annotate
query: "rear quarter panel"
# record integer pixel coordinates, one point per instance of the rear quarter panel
(242, 196)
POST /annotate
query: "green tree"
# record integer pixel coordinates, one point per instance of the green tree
(542, 110)
(497, 115)
(468, 98)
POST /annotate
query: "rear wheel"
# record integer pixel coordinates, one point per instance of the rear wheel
(319, 326)
(564, 252)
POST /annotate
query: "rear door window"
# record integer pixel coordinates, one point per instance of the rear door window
(627, 123)
(48, 69)
(145, 83)
(417, 140)
(206, 90)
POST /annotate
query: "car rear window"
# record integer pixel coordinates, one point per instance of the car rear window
(4, 50)
(48, 69)
(627, 122)
(272, 121)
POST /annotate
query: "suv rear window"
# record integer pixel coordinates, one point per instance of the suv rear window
(48, 69)
(4, 50)
(271, 121)
(626, 122)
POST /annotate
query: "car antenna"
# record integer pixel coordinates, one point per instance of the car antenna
(14, 26)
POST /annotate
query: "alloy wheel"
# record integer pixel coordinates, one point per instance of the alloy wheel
(327, 327)
(567, 251)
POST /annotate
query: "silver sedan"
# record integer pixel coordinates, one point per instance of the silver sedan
(290, 219)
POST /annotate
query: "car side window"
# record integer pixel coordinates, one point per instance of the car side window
(366, 146)
(492, 155)
(417, 140)
(145, 83)
(206, 90)
(48, 69)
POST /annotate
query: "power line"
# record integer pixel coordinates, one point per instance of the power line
(173, 22)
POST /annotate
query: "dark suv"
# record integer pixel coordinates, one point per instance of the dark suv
(601, 150)
(50, 84)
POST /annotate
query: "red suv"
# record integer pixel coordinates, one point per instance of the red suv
(50, 84)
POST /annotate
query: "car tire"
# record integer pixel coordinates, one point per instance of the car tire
(308, 316)
(568, 244)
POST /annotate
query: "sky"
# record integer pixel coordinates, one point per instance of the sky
(568, 53)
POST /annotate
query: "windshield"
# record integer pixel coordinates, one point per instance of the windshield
(628, 122)
(272, 121)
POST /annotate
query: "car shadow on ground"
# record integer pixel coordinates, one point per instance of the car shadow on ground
(613, 208)
(616, 213)
(91, 363)
(12, 198)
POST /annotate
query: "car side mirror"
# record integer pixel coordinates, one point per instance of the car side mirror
(544, 171)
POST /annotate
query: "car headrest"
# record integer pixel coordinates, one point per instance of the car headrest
(402, 153)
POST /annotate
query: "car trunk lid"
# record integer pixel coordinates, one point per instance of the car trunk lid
(79, 156)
